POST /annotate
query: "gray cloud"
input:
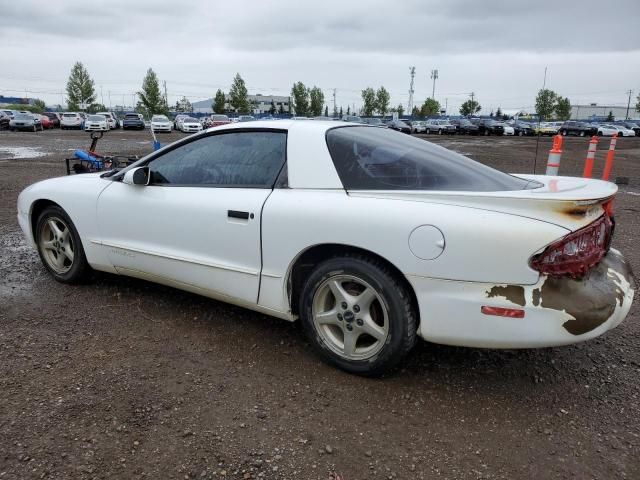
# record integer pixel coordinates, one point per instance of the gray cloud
(496, 48)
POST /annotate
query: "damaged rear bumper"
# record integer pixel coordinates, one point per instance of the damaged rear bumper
(556, 311)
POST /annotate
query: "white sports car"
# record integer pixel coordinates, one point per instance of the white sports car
(371, 238)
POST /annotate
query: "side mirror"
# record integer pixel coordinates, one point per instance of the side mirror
(137, 176)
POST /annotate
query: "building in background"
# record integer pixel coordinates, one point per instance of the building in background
(594, 111)
(4, 101)
(260, 104)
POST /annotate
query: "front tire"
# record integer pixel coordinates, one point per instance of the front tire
(60, 247)
(358, 316)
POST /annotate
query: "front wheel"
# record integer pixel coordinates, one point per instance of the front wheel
(60, 247)
(358, 315)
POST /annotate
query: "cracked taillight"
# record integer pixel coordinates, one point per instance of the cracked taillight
(574, 254)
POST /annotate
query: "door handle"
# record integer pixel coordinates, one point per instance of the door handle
(239, 214)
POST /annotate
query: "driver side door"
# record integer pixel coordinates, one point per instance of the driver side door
(196, 226)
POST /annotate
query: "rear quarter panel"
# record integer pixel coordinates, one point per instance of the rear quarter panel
(480, 245)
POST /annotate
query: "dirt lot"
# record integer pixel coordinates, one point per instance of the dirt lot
(125, 379)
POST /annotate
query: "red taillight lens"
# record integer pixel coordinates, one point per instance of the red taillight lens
(576, 253)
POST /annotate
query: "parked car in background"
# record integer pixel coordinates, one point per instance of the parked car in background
(462, 254)
(399, 126)
(44, 121)
(522, 129)
(216, 120)
(464, 126)
(71, 120)
(190, 125)
(488, 126)
(352, 119)
(161, 123)
(417, 126)
(376, 122)
(251, 118)
(177, 119)
(580, 129)
(10, 113)
(25, 121)
(112, 120)
(4, 120)
(134, 121)
(54, 117)
(546, 129)
(508, 129)
(96, 123)
(605, 130)
(631, 125)
(622, 130)
(440, 127)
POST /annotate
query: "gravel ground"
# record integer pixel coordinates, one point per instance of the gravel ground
(121, 378)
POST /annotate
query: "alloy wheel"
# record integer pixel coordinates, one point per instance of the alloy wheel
(56, 245)
(350, 317)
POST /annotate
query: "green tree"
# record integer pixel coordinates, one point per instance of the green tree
(400, 110)
(218, 102)
(281, 109)
(348, 110)
(80, 88)
(430, 107)
(238, 95)
(38, 105)
(300, 99)
(498, 112)
(415, 112)
(340, 112)
(152, 101)
(273, 109)
(368, 101)
(638, 103)
(610, 117)
(382, 101)
(470, 107)
(326, 110)
(184, 105)
(563, 108)
(546, 103)
(316, 101)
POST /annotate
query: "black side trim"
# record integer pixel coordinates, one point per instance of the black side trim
(238, 214)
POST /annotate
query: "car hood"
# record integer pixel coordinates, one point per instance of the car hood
(569, 202)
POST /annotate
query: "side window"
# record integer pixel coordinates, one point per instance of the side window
(236, 159)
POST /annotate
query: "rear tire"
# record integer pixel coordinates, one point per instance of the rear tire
(60, 247)
(357, 315)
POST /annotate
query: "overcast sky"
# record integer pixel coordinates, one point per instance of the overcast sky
(497, 49)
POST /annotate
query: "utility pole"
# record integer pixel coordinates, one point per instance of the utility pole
(412, 72)
(109, 95)
(335, 112)
(166, 99)
(630, 92)
(434, 76)
(101, 96)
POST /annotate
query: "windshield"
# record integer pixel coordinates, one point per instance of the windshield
(190, 120)
(378, 159)
(132, 116)
(160, 119)
(69, 115)
(23, 116)
(96, 118)
(219, 118)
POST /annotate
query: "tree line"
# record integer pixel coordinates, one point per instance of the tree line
(304, 101)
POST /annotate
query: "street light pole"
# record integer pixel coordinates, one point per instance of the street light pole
(434, 76)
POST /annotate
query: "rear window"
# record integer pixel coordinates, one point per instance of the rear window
(70, 115)
(132, 116)
(377, 159)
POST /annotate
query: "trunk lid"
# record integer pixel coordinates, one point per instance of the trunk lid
(569, 202)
